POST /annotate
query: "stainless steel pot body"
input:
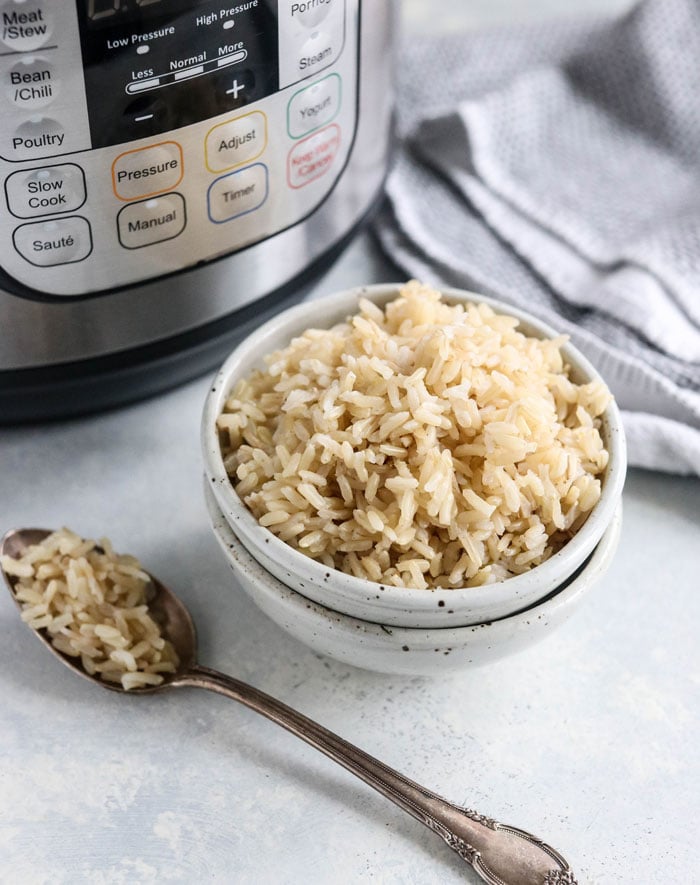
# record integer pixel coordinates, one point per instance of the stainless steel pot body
(200, 158)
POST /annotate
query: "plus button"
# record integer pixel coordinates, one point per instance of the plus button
(235, 89)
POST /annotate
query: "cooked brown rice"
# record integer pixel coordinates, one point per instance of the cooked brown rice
(420, 445)
(93, 603)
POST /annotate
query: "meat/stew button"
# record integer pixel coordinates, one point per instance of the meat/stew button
(147, 171)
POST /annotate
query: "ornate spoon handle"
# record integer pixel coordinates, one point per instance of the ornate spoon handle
(499, 854)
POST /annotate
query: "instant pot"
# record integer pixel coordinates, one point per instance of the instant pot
(172, 170)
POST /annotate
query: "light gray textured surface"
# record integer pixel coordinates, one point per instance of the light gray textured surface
(590, 739)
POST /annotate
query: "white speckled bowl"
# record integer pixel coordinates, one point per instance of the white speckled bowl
(401, 650)
(397, 606)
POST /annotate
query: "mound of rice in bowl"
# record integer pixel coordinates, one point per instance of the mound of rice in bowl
(93, 603)
(421, 444)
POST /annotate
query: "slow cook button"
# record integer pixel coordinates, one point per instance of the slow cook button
(313, 106)
(151, 221)
(238, 193)
(61, 241)
(147, 171)
(31, 83)
(312, 157)
(26, 24)
(236, 141)
(45, 191)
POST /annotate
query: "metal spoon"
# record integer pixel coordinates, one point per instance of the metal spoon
(499, 854)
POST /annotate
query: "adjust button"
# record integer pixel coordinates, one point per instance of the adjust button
(151, 221)
(45, 191)
(313, 106)
(147, 171)
(60, 241)
(25, 24)
(236, 141)
(238, 193)
(31, 83)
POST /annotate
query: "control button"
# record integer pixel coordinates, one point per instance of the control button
(151, 221)
(314, 106)
(36, 137)
(45, 191)
(320, 50)
(236, 141)
(60, 241)
(25, 24)
(31, 83)
(237, 193)
(312, 157)
(312, 12)
(147, 171)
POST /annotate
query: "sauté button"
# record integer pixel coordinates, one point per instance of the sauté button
(314, 106)
(151, 221)
(236, 141)
(312, 157)
(31, 83)
(45, 191)
(147, 171)
(25, 24)
(237, 193)
(60, 241)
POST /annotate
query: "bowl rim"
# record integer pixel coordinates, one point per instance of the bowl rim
(241, 559)
(294, 321)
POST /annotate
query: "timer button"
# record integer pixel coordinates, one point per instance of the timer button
(236, 141)
(47, 243)
(46, 191)
(31, 83)
(237, 193)
(25, 24)
(314, 106)
(147, 171)
(151, 221)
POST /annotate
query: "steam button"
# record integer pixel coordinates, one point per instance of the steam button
(31, 83)
(319, 51)
(60, 241)
(25, 24)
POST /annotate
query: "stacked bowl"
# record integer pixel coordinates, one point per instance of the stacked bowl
(383, 627)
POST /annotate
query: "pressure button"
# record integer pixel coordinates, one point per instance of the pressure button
(147, 171)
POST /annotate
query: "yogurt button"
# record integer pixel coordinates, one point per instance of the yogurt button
(47, 243)
(31, 83)
(314, 106)
(45, 191)
(25, 24)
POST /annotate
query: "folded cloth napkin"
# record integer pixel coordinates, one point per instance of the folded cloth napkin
(557, 167)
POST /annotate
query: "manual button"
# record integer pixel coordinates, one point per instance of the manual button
(45, 191)
(60, 241)
(151, 221)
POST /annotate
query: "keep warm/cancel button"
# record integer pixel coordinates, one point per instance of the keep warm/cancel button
(151, 221)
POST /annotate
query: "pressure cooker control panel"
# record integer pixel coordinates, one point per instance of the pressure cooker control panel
(140, 137)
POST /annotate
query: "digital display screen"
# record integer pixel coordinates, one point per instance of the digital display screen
(99, 13)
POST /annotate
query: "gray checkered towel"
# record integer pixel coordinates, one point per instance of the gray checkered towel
(557, 167)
